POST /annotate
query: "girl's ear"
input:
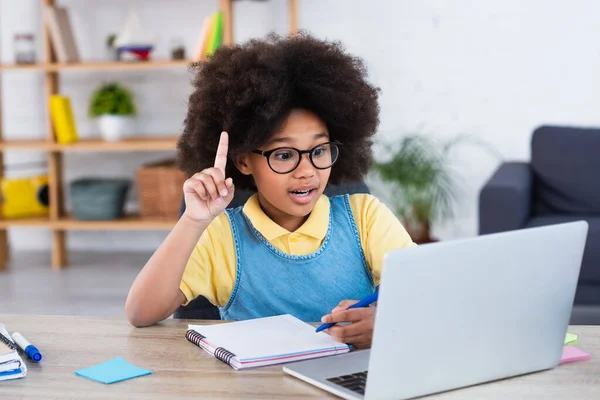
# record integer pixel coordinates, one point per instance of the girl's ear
(242, 163)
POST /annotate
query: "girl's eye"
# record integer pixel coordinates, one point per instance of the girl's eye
(319, 152)
(283, 155)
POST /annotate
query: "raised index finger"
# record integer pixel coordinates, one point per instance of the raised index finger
(221, 157)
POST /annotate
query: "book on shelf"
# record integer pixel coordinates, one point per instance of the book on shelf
(216, 34)
(211, 36)
(62, 118)
(202, 40)
(56, 20)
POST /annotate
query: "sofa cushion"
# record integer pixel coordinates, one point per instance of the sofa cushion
(588, 294)
(590, 269)
(565, 165)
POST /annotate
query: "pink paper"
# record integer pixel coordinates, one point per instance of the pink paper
(571, 354)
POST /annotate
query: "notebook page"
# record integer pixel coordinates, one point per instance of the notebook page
(4, 349)
(7, 354)
(267, 337)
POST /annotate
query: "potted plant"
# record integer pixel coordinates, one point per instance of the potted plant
(425, 188)
(113, 105)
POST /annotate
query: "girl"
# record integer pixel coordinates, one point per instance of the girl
(282, 117)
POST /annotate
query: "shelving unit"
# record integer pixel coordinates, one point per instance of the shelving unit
(58, 221)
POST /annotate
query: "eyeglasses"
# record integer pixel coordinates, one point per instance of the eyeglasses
(284, 160)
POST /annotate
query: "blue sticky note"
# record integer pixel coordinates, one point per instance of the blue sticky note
(112, 371)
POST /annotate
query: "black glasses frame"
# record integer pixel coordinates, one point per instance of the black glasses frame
(268, 153)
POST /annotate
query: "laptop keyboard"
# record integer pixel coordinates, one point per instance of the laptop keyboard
(355, 382)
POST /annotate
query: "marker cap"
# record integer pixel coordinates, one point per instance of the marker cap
(33, 353)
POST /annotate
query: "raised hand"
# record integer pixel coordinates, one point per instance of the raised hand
(207, 193)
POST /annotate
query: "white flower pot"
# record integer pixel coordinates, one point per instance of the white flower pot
(114, 127)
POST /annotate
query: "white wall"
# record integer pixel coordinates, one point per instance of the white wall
(496, 69)
(492, 69)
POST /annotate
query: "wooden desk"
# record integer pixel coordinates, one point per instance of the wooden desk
(184, 371)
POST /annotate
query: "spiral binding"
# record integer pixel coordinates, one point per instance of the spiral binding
(7, 342)
(220, 353)
(194, 337)
(224, 355)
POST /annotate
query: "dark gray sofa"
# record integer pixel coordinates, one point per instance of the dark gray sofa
(561, 183)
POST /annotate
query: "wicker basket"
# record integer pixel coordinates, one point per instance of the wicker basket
(160, 187)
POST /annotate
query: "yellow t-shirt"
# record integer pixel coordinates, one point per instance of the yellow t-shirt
(211, 268)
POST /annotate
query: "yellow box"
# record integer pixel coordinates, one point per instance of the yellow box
(25, 197)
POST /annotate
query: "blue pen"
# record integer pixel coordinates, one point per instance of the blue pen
(27, 347)
(367, 301)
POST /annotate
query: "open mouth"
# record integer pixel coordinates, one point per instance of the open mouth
(303, 196)
(302, 193)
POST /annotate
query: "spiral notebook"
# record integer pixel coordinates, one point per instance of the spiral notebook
(11, 363)
(264, 341)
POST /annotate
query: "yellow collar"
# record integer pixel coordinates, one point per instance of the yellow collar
(315, 226)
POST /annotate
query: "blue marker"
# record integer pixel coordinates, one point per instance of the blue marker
(367, 301)
(27, 347)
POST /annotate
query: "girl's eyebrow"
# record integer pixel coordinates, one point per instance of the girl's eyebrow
(288, 140)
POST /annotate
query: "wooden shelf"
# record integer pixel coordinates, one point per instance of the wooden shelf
(137, 143)
(130, 144)
(130, 222)
(25, 145)
(97, 65)
(25, 222)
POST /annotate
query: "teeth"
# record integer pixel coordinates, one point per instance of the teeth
(301, 193)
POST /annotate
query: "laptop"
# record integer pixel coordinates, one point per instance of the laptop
(460, 313)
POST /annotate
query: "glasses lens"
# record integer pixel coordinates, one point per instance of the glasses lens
(325, 155)
(284, 160)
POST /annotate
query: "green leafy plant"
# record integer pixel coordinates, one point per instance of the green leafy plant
(110, 40)
(111, 99)
(425, 187)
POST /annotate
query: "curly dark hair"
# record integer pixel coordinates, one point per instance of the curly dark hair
(248, 90)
